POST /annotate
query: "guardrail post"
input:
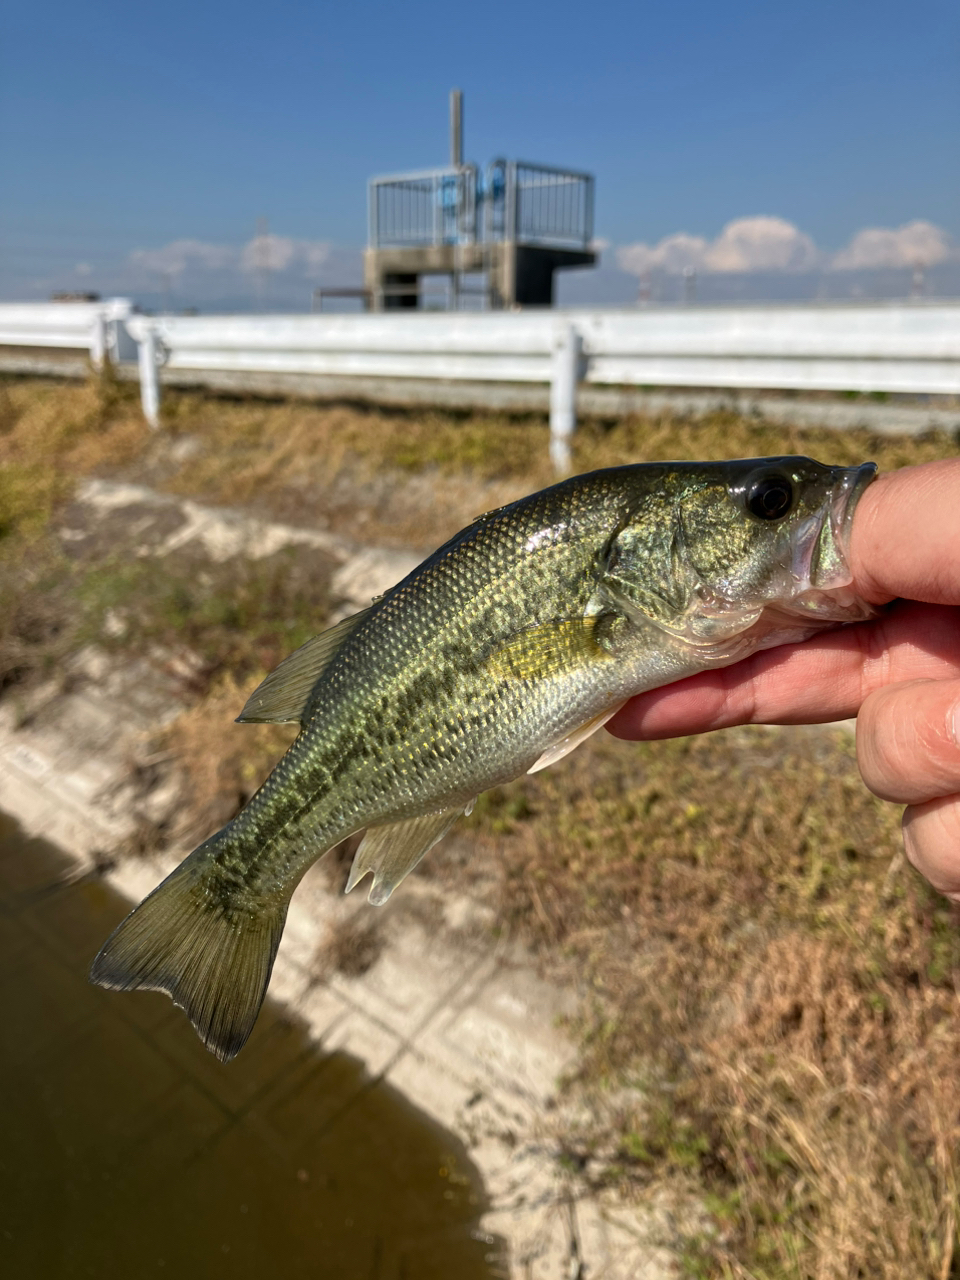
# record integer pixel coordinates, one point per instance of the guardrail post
(121, 347)
(563, 395)
(149, 377)
(98, 340)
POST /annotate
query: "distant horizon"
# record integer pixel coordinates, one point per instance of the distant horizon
(607, 285)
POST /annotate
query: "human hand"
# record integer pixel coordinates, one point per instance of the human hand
(898, 674)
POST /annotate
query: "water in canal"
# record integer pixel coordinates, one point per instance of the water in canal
(127, 1150)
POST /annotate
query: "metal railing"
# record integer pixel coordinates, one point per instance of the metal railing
(550, 206)
(433, 207)
(513, 200)
(341, 292)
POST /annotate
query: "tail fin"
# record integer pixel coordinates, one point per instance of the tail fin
(213, 959)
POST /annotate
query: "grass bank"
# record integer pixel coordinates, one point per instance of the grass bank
(771, 1018)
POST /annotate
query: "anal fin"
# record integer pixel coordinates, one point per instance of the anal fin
(391, 852)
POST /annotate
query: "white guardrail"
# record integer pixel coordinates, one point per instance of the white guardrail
(868, 348)
(97, 328)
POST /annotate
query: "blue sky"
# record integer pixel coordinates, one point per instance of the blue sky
(128, 127)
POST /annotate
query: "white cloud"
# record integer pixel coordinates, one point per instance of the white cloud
(915, 244)
(182, 255)
(761, 244)
(746, 244)
(282, 253)
(315, 254)
(83, 269)
(674, 253)
(773, 244)
(298, 260)
(267, 253)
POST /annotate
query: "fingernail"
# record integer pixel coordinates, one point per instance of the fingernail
(953, 721)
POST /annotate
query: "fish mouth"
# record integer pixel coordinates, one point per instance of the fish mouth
(821, 555)
(852, 488)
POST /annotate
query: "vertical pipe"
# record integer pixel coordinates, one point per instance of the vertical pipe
(456, 128)
(456, 160)
(149, 378)
(563, 395)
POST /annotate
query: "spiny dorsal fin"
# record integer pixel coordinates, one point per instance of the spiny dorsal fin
(283, 695)
(548, 649)
(391, 852)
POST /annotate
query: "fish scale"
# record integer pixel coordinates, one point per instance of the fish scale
(496, 656)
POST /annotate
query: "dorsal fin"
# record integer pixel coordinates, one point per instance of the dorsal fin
(283, 695)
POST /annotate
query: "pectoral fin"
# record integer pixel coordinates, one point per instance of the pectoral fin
(573, 740)
(548, 649)
(391, 852)
(283, 695)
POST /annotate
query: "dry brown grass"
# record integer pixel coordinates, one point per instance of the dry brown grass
(51, 434)
(370, 472)
(773, 1017)
(366, 469)
(222, 763)
(780, 985)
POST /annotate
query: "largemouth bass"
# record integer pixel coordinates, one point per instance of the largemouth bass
(495, 657)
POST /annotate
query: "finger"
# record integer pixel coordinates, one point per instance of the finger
(931, 837)
(907, 741)
(905, 535)
(825, 678)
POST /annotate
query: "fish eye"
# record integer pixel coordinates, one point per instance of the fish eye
(770, 497)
